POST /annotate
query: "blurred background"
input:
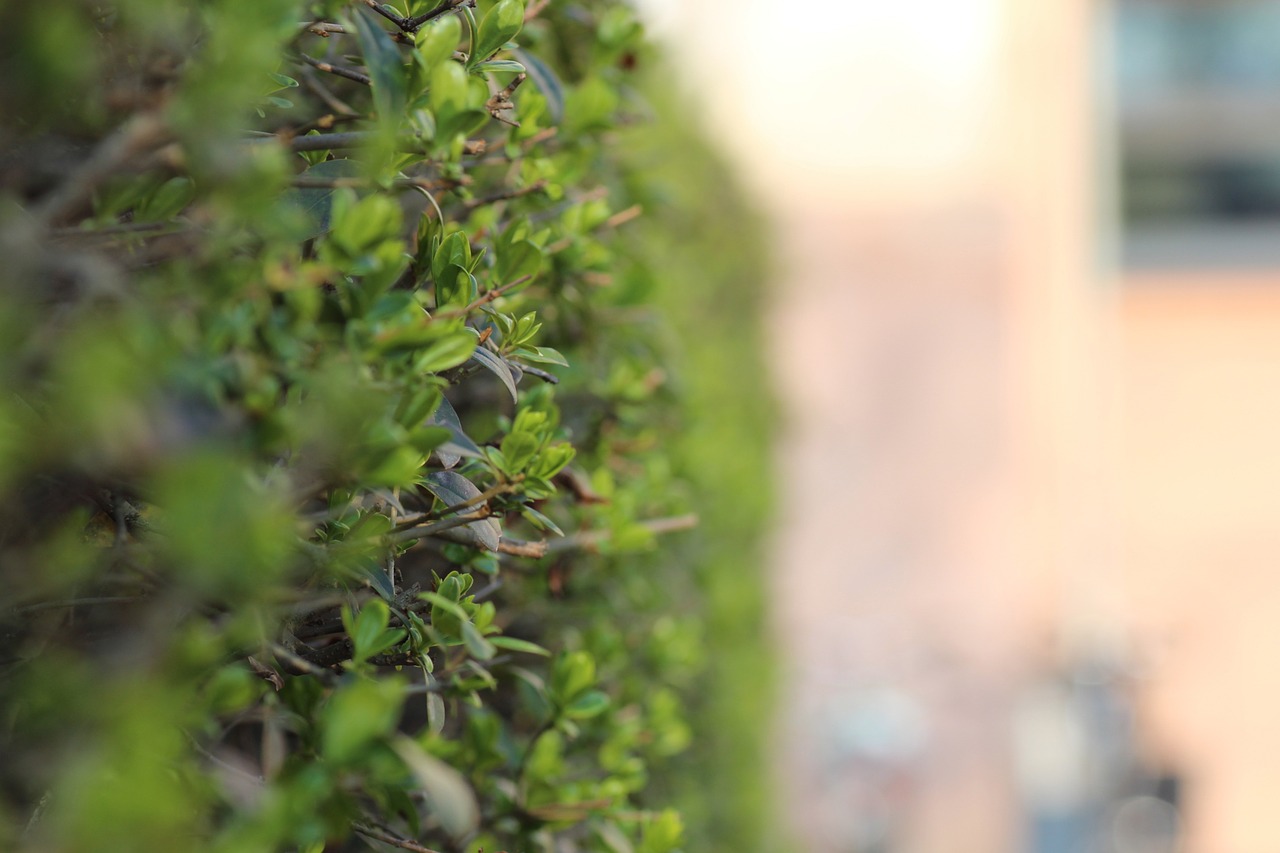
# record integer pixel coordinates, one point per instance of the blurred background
(1025, 334)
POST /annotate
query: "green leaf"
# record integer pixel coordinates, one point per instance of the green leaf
(501, 25)
(446, 353)
(541, 355)
(494, 363)
(546, 81)
(358, 714)
(167, 201)
(385, 66)
(499, 65)
(540, 521)
(518, 449)
(515, 644)
(448, 90)
(574, 673)
(517, 260)
(476, 644)
(317, 203)
(368, 627)
(587, 705)
(449, 797)
(437, 41)
(451, 452)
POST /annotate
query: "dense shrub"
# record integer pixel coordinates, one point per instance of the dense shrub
(332, 401)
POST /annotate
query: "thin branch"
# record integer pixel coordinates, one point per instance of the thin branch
(334, 103)
(76, 602)
(416, 533)
(519, 548)
(301, 663)
(312, 182)
(444, 8)
(539, 373)
(387, 837)
(354, 139)
(339, 70)
(483, 497)
(588, 540)
(402, 23)
(534, 187)
(482, 300)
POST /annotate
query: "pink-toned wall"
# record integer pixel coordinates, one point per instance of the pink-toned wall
(1001, 457)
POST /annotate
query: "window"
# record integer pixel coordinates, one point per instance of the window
(1198, 96)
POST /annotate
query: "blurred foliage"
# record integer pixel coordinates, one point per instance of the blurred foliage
(339, 425)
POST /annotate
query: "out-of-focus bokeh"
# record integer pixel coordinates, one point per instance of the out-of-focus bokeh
(1026, 338)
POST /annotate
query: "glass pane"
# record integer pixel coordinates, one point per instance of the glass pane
(1198, 85)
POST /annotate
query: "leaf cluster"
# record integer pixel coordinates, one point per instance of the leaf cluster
(327, 402)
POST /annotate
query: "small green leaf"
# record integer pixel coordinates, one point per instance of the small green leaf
(514, 644)
(501, 25)
(476, 644)
(167, 201)
(588, 705)
(518, 449)
(508, 65)
(437, 41)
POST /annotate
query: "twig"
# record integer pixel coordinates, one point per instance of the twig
(519, 548)
(483, 497)
(444, 8)
(534, 187)
(322, 91)
(301, 663)
(354, 139)
(402, 23)
(416, 533)
(482, 300)
(387, 837)
(539, 373)
(339, 70)
(590, 539)
(312, 182)
(76, 602)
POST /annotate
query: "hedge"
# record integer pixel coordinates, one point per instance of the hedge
(349, 470)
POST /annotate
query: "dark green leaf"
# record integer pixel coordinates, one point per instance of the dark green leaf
(385, 65)
(494, 363)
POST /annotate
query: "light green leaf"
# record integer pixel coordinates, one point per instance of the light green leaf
(501, 25)
(449, 797)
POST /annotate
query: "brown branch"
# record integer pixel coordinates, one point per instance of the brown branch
(312, 182)
(377, 833)
(412, 24)
(339, 70)
(519, 548)
(534, 187)
(414, 534)
(588, 540)
(354, 139)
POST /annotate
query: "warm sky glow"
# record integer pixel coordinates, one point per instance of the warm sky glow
(841, 95)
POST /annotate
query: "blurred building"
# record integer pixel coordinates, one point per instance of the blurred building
(1027, 337)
